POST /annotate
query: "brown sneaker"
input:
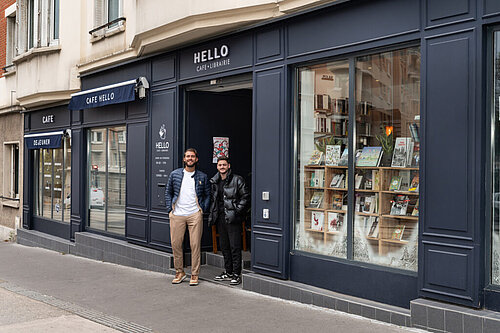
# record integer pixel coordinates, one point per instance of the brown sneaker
(194, 280)
(179, 277)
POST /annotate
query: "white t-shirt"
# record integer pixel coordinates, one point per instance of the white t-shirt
(186, 203)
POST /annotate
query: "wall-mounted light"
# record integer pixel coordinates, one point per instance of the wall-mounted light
(142, 85)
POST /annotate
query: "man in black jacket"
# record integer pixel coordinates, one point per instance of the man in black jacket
(230, 199)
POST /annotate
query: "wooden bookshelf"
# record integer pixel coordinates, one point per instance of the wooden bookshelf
(387, 222)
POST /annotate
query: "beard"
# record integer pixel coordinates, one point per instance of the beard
(190, 164)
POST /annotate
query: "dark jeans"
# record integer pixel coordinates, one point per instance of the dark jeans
(230, 244)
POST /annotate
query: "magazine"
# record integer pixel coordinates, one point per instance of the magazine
(316, 158)
(335, 221)
(373, 232)
(414, 184)
(415, 209)
(370, 157)
(316, 200)
(337, 180)
(399, 205)
(403, 148)
(317, 220)
(395, 183)
(337, 200)
(332, 157)
(344, 159)
(397, 233)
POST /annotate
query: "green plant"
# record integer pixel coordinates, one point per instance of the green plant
(386, 142)
(321, 143)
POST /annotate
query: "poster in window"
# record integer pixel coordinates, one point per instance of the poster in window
(221, 148)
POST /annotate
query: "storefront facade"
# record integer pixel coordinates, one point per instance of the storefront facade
(404, 90)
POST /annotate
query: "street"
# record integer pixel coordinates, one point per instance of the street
(136, 300)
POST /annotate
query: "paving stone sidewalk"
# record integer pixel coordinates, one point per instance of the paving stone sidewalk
(149, 300)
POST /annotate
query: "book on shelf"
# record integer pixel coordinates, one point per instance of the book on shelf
(317, 220)
(337, 181)
(403, 148)
(397, 233)
(395, 183)
(399, 205)
(318, 178)
(374, 228)
(370, 204)
(316, 157)
(344, 158)
(358, 179)
(405, 180)
(316, 200)
(414, 184)
(322, 101)
(375, 180)
(415, 158)
(369, 157)
(335, 221)
(415, 209)
(337, 201)
(332, 155)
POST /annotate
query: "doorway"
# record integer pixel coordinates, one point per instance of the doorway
(217, 109)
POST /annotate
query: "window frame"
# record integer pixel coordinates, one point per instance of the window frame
(296, 130)
(11, 175)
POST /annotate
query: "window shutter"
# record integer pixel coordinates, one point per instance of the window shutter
(98, 12)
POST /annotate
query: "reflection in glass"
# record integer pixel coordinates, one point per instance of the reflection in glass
(53, 176)
(495, 226)
(386, 179)
(67, 180)
(97, 179)
(107, 173)
(323, 97)
(47, 183)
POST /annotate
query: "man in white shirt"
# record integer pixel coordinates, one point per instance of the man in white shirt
(187, 196)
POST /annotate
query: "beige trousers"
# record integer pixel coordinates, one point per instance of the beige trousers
(194, 223)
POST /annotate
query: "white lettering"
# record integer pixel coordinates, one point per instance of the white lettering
(162, 145)
(48, 119)
(210, 54)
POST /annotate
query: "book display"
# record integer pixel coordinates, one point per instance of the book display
(374, 191)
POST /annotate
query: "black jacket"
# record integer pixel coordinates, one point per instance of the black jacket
(236, 199)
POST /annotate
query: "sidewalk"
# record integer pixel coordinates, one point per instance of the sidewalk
(149, 300)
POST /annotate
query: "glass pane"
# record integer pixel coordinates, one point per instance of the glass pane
(495, 231)
(67, 180)
(39, 182)
(323, 95)
(47, 183)
(97, 180)
(113, 10)
(57, 207)
(56, 19)
(117, 156)
(386, 180)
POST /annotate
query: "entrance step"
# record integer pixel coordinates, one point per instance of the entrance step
(217, 260)
(39, 239)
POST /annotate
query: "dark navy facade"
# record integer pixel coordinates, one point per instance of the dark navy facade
(453, 37)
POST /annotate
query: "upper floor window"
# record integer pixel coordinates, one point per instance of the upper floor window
(106, 11)
(38, 24)
(10, 15)
(11, 173)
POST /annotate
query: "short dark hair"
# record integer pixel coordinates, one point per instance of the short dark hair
(223, 158)
(191, 150)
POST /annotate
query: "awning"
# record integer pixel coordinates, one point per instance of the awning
(44, 140)
(113, 94)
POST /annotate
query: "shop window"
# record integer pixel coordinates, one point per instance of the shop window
(38, 24)
(11, 174)
(370, 215)
(53, 182)
(495, 226)
(107, 179)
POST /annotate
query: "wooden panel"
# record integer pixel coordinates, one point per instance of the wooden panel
(449, 128)
(346, 24)
(269, 45)
(267, 250)
(136, 227)
(137, 162)
(491, 7)
(159, 232)
(449, 11)
(163, 70)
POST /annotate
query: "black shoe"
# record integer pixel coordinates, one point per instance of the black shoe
(223, 277)
(235, 280)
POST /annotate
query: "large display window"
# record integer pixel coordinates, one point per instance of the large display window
(367, 211)
(53, 179)
(107, 156)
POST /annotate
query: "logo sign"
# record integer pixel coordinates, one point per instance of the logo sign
(211, 58)
(48, 119)
(163, 135)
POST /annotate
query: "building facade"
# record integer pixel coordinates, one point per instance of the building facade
(367, 130)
